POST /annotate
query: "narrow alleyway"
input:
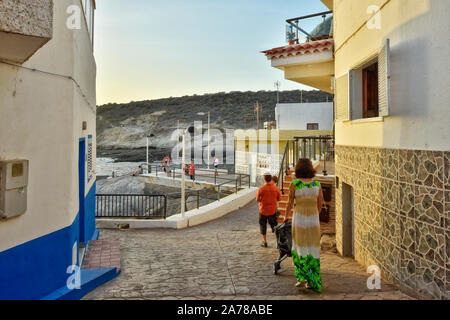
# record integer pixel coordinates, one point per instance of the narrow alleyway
(223, 260)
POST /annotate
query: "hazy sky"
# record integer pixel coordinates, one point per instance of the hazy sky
(148, 49)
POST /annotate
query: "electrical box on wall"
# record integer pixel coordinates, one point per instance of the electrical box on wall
(13, 188)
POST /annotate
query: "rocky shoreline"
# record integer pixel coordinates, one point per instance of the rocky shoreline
(133, 155)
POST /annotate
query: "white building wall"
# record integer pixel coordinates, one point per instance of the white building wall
(41, 120)
(296, 116)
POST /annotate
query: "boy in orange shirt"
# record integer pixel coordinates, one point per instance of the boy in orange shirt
(268, 197)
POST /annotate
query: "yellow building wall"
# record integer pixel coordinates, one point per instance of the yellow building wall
(412, 26)
(355, 43)
(246, 140)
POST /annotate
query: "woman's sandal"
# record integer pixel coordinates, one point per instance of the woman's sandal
(303, 284)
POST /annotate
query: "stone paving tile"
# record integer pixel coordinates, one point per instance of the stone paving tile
(223, 260)
(103, 254)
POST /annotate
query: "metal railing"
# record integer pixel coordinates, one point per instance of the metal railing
(314, 147)
(196, 196)
(175, 171)
(152, 206)
(294, 29)
(284, 166)
(311, 147)
(131, 205)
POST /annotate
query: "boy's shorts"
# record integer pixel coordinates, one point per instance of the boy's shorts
(272, 220)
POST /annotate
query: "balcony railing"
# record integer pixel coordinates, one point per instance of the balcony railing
(296, 27)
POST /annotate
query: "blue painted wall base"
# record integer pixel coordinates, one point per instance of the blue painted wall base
(36, 268)
(90, 279)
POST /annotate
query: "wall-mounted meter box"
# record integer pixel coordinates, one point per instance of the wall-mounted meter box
(13, 188)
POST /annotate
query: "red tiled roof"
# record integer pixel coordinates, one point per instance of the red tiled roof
(299, 49)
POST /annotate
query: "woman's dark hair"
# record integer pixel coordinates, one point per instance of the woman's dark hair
(304, 169)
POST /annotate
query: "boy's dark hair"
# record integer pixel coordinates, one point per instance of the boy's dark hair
(268, 178)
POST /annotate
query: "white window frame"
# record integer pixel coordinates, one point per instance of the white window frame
(89, 13)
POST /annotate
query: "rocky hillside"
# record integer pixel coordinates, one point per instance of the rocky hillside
(122, 128)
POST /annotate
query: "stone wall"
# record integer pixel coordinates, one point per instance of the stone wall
(329, 227)
(401, 207)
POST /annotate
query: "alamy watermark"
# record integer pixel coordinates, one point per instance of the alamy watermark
(203, 146)
(196, 144)
(73, 22)
(374, 281)
(74, 280)
(374, 23)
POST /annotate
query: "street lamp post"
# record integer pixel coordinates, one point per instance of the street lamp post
(183, 178)
(151, 135)
(209, 139)
(183, 174)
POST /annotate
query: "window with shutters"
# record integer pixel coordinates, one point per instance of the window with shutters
(368, 88)
(342, 96)
(370, 91)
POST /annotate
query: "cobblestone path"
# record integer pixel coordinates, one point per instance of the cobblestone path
(223, 260)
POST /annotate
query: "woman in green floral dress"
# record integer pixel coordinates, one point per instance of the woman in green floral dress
(306, 193)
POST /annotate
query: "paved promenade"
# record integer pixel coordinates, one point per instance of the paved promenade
(223, 260)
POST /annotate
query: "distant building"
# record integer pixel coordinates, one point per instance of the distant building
(48, 148)
(304, 116)
(261, 151)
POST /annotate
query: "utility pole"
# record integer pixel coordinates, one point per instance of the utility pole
(257, 115)
(178, 137)
(258, 108)
(277, 86)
